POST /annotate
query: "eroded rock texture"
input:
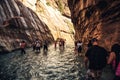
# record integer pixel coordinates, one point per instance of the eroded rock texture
(18, 22)
(96, 18)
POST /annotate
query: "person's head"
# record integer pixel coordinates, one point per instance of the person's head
(23, 41)
(37, 39)
(94, 41)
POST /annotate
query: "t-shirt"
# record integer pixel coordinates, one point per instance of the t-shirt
(22, 45)
(38, 44)
(79, 44)
(97, 57)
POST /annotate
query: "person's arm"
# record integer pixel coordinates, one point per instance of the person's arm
(111, 57)
(87, 54)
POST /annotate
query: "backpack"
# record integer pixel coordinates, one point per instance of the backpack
(37, 44)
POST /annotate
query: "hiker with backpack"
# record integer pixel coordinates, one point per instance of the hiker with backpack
(45, 46)
(79, 47)
(37, 45)
(34, 45)
(97, 58)
(22, 47)
(61, 44)
(114, 59)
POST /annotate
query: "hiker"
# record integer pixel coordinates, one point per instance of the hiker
(22, 47)
(79, 47)
(33, 45)
(89, 44)
(75, 49)
(45, 45)
(55, 44)
(97, 58)
(114, 59)
(37, 45)
(61, 44)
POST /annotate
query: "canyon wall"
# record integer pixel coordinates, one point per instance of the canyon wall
(31, 19)
(96, 19)
(18, 22)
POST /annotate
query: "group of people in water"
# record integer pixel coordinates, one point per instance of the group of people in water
(95, 58)
(61, 43)
(36, 45)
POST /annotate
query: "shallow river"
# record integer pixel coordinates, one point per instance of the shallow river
(53, 65)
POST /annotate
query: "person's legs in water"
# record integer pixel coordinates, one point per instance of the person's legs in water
(33, 48)
(45, 48)
(22, 51)
(94, 74)
(79, 50)
(37, 49)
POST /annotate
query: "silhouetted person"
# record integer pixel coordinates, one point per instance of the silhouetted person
(114, 58)
(75, 49)
(37, 45)
(22, 47)
(97, 58)
(55, 44)
(89, 44)
(79, 47)
(45, 45)
(33, 45)
(61, 44)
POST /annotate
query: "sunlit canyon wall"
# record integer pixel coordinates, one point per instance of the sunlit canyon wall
(31, 19)
(18, 22)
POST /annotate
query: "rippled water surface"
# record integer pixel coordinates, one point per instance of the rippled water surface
(53, 65)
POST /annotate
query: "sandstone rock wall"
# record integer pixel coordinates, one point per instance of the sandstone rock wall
(18, 22)
(96, 18)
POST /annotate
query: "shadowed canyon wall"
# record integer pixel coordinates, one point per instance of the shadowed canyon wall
(18, 22)
(96, 18)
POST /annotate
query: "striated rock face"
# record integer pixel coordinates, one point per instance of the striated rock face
(31, 19)
(18, 22)
(61, 5)
(56, 15)
(96, 18)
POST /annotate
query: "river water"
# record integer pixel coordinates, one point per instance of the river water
(51, 65)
